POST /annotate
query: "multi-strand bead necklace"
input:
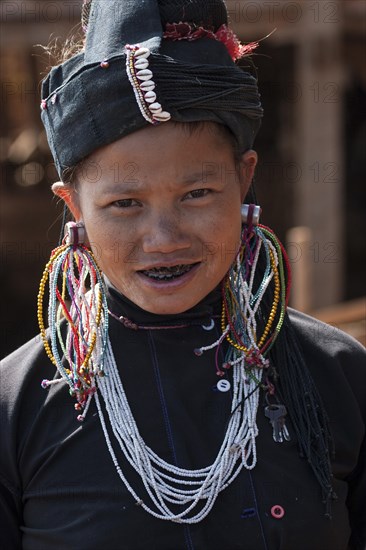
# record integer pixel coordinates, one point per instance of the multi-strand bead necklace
(173, 493)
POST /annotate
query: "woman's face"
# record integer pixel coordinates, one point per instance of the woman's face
(161, 209)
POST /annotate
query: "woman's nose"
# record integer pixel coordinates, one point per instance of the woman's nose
(164, 234)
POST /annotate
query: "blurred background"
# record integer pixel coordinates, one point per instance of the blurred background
(310, 179)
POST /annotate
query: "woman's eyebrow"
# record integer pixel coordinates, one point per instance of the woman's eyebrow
(139, 186)
(193, 178)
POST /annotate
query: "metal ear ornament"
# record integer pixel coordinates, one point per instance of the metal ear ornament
(250, 214)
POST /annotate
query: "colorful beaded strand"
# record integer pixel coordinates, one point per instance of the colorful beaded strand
(84, 317)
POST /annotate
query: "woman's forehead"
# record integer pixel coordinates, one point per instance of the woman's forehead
(171, 139)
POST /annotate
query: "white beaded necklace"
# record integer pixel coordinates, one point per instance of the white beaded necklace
(174, 494)
(166, 484)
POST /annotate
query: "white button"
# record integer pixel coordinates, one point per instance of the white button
(210, 326)
(223, 385)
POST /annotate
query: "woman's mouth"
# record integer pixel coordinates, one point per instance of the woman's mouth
(165, 273)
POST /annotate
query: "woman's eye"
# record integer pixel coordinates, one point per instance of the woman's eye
(124, 203)
(197, 193)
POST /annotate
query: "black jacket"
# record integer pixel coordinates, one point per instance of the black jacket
(59, 488)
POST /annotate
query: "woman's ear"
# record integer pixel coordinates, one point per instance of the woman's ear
(247, 167)
(69, 196)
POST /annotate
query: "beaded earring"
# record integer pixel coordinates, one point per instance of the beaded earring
(77, 303)
(255, 296)
(246, 286)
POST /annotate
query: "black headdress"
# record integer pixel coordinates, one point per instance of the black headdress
(186, 52)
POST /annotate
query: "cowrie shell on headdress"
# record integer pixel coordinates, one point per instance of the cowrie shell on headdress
(141, 63)
(147, 85)
(155, 108)
(141, 80)
(162, 117)
(145, 74)
(142, 52)
(150, 97)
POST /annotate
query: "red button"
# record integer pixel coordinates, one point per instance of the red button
(277, 511)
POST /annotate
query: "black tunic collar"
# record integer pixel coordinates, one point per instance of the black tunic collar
(201, 313)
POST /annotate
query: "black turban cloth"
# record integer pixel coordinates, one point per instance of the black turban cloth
(86, 105)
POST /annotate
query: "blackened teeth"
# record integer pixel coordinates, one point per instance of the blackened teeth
(167, 273)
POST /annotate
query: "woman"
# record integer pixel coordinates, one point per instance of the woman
(206, 415)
